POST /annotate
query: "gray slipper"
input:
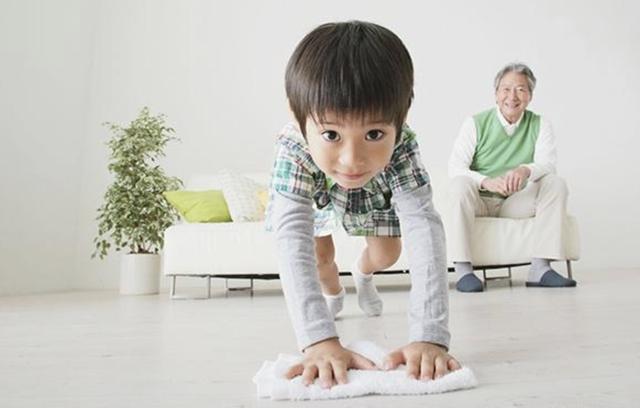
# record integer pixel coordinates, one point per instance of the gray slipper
(469, 283)
(552, 279)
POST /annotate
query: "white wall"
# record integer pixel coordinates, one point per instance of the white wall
(216, 69)
(44, 78)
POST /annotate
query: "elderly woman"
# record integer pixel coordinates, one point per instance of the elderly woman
(503, 164)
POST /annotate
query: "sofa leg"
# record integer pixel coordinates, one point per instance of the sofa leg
(569, 271)
(172, 292)
(503, 277)
(228, 289)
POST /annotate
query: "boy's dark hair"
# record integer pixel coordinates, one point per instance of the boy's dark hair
(351, 68)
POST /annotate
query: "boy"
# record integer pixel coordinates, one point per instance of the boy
(350, 158)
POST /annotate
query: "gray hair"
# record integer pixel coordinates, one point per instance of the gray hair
(518, 68)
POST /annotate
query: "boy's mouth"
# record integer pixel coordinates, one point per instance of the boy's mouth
(352, 176)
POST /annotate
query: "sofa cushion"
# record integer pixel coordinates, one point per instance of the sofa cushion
(199, 206)
(242, 196)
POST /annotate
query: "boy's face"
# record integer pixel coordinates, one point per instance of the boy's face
(350, 151)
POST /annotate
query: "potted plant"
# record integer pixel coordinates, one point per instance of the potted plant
(134, 214)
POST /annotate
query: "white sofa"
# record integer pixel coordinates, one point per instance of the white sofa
(245, 250)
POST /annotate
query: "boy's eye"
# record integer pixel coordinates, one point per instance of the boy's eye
(374, 135)
(330, 136)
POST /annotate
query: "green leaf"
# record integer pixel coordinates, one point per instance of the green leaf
(134, 214)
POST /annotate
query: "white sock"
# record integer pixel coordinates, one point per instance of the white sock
(538, 267)
(462, 269)
(335, 302)
(368, 297)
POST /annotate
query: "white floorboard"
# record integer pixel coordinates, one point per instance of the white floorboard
(529, 347)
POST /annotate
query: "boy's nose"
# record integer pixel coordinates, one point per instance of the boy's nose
(351, 158)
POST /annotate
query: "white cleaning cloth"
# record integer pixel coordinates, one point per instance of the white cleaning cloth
(272, 384)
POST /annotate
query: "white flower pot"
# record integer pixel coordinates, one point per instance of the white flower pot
(140, 274)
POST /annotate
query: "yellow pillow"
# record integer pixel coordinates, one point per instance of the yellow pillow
(263, 197)
(199, 206)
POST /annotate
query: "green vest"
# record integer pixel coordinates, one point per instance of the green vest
(496, 152)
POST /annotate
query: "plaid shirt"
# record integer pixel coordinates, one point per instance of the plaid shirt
(363, 211)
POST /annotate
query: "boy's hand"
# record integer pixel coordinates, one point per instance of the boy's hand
(329, 361)
(424, 361)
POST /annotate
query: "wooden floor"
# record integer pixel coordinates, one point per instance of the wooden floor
(529, 347)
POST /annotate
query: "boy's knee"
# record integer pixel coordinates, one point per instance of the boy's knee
(384, 257)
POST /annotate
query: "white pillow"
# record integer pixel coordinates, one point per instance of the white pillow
(241, 194)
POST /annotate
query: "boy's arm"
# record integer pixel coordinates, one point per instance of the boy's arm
(424, 240)
(292, 222)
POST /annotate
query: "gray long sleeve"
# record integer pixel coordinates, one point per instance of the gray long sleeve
(424, 239)
(292, 222)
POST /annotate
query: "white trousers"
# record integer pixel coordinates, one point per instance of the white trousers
(545, 200)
